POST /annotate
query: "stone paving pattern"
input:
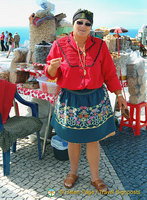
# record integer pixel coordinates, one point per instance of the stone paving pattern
(128, 155)
(31, 178)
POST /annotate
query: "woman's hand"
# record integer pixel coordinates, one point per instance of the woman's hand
(122, 102)
(120, 99)
(123, 106)
(54, 65)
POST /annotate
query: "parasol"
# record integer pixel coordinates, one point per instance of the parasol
(118, 30)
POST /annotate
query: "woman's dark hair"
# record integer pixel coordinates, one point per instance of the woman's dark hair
(10, 34)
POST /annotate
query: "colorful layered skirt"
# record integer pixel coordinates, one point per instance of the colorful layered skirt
(83, 116)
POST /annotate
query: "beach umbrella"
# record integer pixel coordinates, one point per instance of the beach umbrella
(118, 30)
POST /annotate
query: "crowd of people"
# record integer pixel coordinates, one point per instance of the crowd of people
(8, 42)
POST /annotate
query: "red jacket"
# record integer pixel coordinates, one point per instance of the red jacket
(2, 37)
(99, 65)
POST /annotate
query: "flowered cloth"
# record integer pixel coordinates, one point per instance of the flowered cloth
(83, 116)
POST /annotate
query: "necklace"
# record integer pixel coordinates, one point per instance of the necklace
(84, 55)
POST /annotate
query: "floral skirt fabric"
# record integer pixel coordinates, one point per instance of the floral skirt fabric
(83, 116)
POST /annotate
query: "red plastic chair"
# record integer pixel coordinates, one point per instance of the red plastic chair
(135, 121)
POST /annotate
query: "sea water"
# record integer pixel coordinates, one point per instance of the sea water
(24, 32)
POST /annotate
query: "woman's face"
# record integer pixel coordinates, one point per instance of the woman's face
(82, 27)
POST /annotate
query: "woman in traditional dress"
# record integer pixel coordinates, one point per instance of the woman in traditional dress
(84, 68)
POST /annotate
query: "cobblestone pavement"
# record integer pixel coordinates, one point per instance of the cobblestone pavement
(128, 155)
(31, 178)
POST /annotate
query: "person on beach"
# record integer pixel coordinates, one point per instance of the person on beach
(6, 41)
(83, 67)
(2, 38)
(10, 43)
(16, 40)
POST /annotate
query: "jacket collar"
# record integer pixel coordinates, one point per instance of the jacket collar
(89, 42)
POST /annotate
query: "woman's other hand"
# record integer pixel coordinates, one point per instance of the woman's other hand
(122, 102)
(123, 106)
(120, 99)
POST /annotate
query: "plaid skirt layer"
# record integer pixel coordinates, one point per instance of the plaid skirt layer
(83, 116)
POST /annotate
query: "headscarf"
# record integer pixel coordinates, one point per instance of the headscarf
(83, 14)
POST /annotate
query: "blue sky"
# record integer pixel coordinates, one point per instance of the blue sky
(108, 13)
